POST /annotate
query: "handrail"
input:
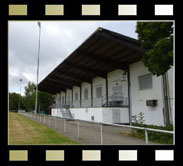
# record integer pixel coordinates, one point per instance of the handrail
(127, 126)
(110, 124)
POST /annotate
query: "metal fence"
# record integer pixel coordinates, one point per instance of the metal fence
(113, 100)
(89, 132)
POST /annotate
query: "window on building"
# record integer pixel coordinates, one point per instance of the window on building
(76, 96)
(86, 94)
(99, 92)
(145, 82)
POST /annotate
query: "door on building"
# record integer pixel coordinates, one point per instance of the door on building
(116, 115)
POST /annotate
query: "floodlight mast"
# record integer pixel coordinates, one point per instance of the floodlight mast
(20, 93)
(39, 24)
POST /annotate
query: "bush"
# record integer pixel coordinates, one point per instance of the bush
(162, 138)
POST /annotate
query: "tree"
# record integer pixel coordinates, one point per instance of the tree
(14, 99)
(156, 38)
(30, 102)
(44, 99)
(29, 96)
(29, 89)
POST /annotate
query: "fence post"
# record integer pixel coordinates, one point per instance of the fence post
(78, 129)
(101, 134)
(146, 136)
(49, 120)
(64, 126)
(55, 123)
(44, 118)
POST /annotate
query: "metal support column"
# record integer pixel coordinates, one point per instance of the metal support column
(101, 134)
(72, 97)
(44, 118)
(65, 96)
(129, 98)
(146, 137)
(64, 125)
(166, 100)
(91, 94)
(80, 96)
(49, 120)
(55, 122)
(78, 129)
(106, 90)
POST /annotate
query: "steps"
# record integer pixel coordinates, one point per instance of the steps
(66, 113)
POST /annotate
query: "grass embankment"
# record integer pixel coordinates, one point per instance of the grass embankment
(24, 131)
(157, 137)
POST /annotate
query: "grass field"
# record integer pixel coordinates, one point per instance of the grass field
(23, 131)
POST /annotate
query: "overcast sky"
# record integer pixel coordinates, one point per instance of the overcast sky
(58, 40)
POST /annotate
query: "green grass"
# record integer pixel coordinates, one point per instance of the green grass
(157, 137)
(24, 131)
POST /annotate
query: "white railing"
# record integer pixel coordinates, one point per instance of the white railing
(86, 103)
(76, 103)
(97, 102)
(113, 100)
(101, 126)
(58, 105)
(69, 103)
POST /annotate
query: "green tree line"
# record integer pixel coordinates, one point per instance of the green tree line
(27, 102)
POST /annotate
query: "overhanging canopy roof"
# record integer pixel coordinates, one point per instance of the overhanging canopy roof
(102, 52)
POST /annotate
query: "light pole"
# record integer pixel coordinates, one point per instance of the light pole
(20, 93)
(39, 24)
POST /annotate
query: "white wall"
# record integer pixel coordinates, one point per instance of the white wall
(153, 115)
(170, 75)
(69, 96)
(57, 97)
(98, 82)
(101, 114)
(76, 89)
(108, 114)
(114, 79)
(56, 112)
(84, 86)
(53, 112)
(86, 113)
(86, 103)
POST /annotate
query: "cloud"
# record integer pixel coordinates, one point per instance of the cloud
(58, 40)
